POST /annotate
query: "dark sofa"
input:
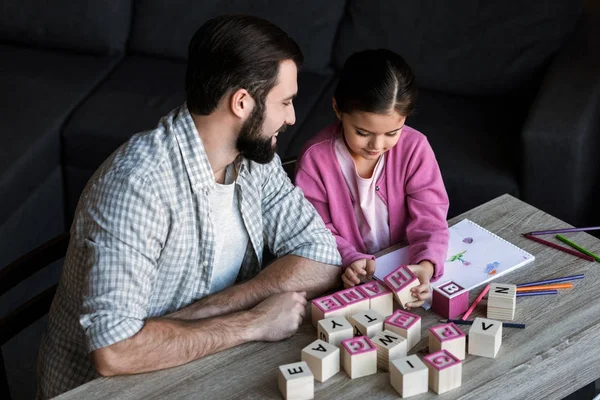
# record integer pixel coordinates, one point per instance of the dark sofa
(509, 96)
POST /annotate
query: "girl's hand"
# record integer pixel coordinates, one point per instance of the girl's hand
(424, 271)
(357, 272)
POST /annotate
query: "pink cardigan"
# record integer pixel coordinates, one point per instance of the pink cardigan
(410, 185)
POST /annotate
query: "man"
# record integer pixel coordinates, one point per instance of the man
(178, 214)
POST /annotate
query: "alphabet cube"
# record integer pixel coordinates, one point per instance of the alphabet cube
(447, 337)
(485, 337)
(502, 300)
(322, 358)
(296, 381)
(367, 323)
(334, 330)
(390, 346)
(409, 376)
(381, 299)
(359, 357)
(355, 300)
(445, 371)
(400, 281)
(450, 300)
(405, 324)
(326, 307)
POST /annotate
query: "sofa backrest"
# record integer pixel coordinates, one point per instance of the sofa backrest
(91, 26)
(164, 28)
(462, 46)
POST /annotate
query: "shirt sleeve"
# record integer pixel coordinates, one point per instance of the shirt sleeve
(315, 192)
(119, 233)
(427, 200)
(291, 224)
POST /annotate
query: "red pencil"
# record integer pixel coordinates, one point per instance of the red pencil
(557, 247)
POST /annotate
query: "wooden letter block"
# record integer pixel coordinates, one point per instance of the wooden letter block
(326, 307)
(381, 299)
(445, 371)
(359, 357)
(450, 300)
(400, 282)
(485, 337)
(367, 323)
(405, 324)
(390, 346)
(296, 381)
(409, 376)
(502, 300)
(334, 330)
(355, 300)
(322, 358)
(447, 337)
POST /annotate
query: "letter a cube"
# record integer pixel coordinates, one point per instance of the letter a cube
(390, 346)
(485, 337)
(355, 300)
(400, 281)
(359, 357)
(409, 376)
(367, 323)
(334, 330)
(450, 300)
(447, 337)
(405, 324)
(296, 381)
(445, 371)
(326, 307)
(381, 299)
(322, 358)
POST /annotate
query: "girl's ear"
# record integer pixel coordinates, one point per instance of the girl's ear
(335, 108)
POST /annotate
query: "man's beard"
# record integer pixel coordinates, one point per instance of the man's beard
(250, 142)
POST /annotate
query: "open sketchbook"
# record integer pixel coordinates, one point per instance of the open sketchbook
(475, 256)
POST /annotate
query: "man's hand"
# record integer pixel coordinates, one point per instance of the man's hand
(424, 271)
(279, 316)
(358, 272)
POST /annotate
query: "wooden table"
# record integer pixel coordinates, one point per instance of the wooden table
(556, 354)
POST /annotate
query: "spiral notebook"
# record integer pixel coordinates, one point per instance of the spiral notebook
(475, 256)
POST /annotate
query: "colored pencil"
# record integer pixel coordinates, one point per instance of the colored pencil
(477, 300)
(557, 247)
(463, 322)
(578, 247)
(553, 280)
(537, 293)
(565, 230)
(545, 287)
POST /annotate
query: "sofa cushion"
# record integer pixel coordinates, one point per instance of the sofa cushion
(37, 94)
(133, 99)
(469, 47)
(99, 27)
(165, 28)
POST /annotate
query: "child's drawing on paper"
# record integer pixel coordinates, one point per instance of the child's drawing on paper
(492, 268)
(459, 257)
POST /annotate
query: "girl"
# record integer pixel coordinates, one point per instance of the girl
(375, 181)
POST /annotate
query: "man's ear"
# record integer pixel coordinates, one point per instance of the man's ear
(335, 108)
(241, 103)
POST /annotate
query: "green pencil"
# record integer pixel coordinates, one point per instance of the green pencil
(579, 248)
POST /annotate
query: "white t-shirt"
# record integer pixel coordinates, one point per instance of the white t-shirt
(370, 210)
(230, 233)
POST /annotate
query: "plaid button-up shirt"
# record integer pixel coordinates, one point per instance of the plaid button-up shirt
(143, 245)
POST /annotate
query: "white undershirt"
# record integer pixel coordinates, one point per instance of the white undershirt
(230, 233)
(369, 209)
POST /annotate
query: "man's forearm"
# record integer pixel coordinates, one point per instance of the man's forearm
(165, 343)
(286, 274)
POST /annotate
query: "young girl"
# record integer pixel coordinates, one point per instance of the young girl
(374, 180)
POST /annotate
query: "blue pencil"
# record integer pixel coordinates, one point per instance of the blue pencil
(555, 280)
(537, 293)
